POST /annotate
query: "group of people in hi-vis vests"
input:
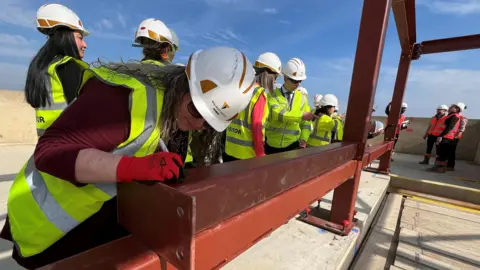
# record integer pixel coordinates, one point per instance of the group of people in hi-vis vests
(108, 123)
(445, 130)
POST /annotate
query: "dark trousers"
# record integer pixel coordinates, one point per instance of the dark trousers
(452, 155)
(445, 149)
(396, 139)
(228, 158)
(431, 139)
(273, 150)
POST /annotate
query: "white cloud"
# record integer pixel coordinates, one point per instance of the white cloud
(17, 52)
(13, 39)
(270, 10)
(104, 24)
(224, 36)
(12, 76)
(17, 12)
(285, 22)
(459, 7)
(121, 20)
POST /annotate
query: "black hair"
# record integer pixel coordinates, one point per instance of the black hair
(323, 110)
(154, 50)
(60, 43)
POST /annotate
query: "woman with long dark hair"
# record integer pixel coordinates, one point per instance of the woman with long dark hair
(63, 201)
(157, 42)
(245, 136)
(55, 73)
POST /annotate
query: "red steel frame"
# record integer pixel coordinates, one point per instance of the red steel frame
(222, 210)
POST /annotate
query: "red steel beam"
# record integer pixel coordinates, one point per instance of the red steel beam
(371, 39)
(216, 193)
(399, 8)
(450, 44)
(396, 105)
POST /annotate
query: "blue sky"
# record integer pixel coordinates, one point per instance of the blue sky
(322, 33)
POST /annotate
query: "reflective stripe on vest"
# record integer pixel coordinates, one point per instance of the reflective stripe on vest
(43, 208)
(338, 128)
(279, 133)
(322, 131)
(451, 134)
(45, 116)
(239, 138)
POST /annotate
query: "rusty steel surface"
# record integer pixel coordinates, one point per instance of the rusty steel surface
(396, 105)
(123, 254)
(342, 230)
(220, 244)
(236, 186)
(405, 21)
(371, 39)
(161, 218)
(450, 44)
(374, 152)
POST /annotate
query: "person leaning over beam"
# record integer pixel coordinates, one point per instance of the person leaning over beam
(63, 201)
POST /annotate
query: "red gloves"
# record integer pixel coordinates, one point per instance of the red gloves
(158, 167)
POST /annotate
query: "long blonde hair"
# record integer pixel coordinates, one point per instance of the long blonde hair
(266, 80)
(175, 82)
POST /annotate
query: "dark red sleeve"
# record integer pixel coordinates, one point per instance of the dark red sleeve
(99, 118)
(257, 133)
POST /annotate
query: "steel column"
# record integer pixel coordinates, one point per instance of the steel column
(396, 105)
(368, 57)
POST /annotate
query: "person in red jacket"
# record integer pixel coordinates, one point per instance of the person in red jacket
(449, 127)
(432, 132)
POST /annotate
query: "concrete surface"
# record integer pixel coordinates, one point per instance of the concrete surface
(375, 252)
(463, 184)
(437, 237)
(297, 245)
(17, 120)
(413, 143)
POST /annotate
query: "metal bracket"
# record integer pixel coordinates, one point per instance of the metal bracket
(340, 229)
(375, 170)
(417, 51)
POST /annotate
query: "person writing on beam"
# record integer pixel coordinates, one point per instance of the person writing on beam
(245, 137)
(55, 73)
(63, 201)
(290, 123)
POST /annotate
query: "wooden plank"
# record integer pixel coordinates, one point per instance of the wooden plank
(452, 211)
(424, 258)
(406, 264)
(375, 251)
(393, 267)
(464, 235)
(445, 248)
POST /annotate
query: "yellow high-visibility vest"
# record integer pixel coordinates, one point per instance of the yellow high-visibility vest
(285, 125)
(322, 131)
(43, 208)
(45, 116)
(239, 139)
(338, 128)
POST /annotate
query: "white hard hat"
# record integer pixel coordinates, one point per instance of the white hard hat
(329, 100)
(442, 107)
(269, 60)
(462, 106)
(175, 40)
(153, 29)
(295, 69)
(221, 83)
(404, 105)
(52, 15)
(303, 90)
(316, 100)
